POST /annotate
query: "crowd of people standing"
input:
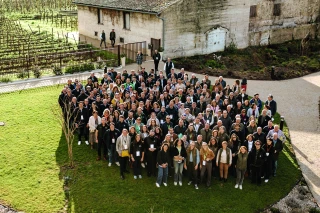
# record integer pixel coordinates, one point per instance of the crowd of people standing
(173, 124)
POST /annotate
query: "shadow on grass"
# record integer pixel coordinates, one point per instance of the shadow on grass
(92, 186)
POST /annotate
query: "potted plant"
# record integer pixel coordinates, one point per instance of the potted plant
(123, 59)
(160, 50)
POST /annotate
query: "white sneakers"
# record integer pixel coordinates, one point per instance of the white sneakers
(140, 176)
(240, 187)
(87, 142)
(180, 183)
(175, 183)
(266, 180)
(165, 184)
(135, 177)
(142, 165)
(196, 186)
(118, 164)
(236, 186)
(157, 184)
(189, 183)
(79, 143)
(109, 164)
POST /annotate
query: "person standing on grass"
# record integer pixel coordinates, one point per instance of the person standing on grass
(112, 37)
(191, 164)
(268, 147)
(139, 60)
(103, 39)
(101, 130)
(123, 149)
(110, 137)
(156, 58)
(257, 161)
(82, 122)
(137, 156)
(151, 147)
(163, 161)
(179, 154)
(224, 161)
(94, 121)
(206, 157)
(241, 166)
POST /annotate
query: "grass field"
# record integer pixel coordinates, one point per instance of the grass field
(33, 161)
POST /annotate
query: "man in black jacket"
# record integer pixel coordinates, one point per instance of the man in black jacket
(168, 66)
(110, 137)
(82, 120)
(122, 124)
(257, 156)
(278, 146)
(259, 135)
(272, 104)
(112, 37)
(152, 146)
(166, 125)
(172, 112)
(156, 58)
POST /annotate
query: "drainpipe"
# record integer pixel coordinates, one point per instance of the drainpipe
(163, 21)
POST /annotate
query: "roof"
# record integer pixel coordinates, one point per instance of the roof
(148, 6)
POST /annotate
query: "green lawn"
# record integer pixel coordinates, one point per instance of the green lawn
(33, 161)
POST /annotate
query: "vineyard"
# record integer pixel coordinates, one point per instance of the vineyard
(26, 52)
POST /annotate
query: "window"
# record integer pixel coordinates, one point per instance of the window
(99, 15)
(253, 11)
(126, 20)
(95, 33)
(277, 9)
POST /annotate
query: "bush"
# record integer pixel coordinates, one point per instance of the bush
(37, 72)
(232, 48)
(5, 80)
(22, 74)
(214, 64)
(79, 68)
(57, 70)
(314, 210)
(87, 67)
(274, 210)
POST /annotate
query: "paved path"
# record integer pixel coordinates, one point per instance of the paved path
(297, 101)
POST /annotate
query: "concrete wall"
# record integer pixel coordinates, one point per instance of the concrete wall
(143, 27)
(294, 21)
(190, 25)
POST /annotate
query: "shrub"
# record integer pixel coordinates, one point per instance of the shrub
(314, 210)
(87, 67)
(274, 210)
(57, 70)
(214, 64)
(37, 72)
(232, 48)
(72, 69)
(22, 74)
(100, 65)
(5, 80)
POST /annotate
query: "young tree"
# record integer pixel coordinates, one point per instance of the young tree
(65, 116)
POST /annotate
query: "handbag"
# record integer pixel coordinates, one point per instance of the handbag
(125, 153)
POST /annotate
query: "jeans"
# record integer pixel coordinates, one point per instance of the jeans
(162, 175)
(123, 164)
(178, 167)
(103, 41)
(112, 42)
(113, 154)
(240, 176)
(208, 168)
(137, 166)
(275, 166)
(268, 169)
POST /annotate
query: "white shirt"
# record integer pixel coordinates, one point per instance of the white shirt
(92, 123)
(250, 144)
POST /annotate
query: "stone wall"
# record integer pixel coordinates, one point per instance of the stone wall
(189, 24)
(143, 27)
(296, 19)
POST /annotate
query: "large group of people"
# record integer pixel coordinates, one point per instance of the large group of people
(175, 125)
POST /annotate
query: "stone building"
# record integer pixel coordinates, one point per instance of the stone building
(193, 27)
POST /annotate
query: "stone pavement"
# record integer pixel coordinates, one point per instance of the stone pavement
(297, 101)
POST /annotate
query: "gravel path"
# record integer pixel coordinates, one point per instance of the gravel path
(297, 100)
